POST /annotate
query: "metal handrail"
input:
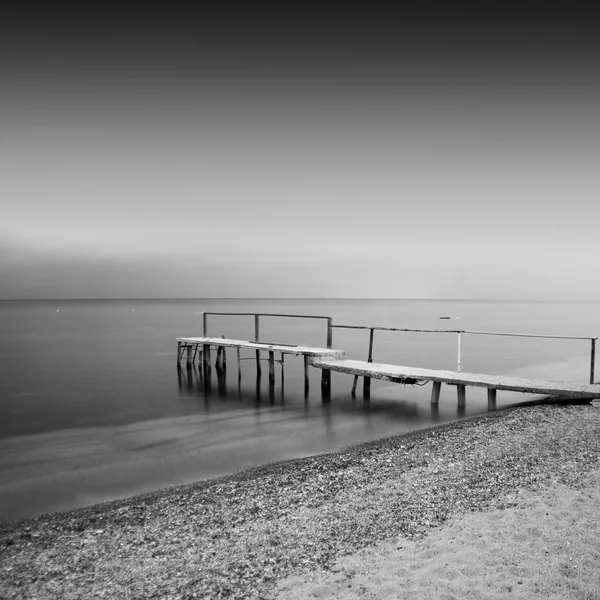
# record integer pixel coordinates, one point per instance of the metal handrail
(257, 319)
(458, 332)
(372, 330)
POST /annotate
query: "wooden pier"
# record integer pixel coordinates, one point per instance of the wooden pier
(201, 347)
(411, 375)
(328, 360)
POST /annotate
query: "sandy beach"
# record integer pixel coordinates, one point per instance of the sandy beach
(499, 506)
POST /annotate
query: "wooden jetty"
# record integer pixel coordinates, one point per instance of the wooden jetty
(201, 347)
(328, 359)
(411, 375)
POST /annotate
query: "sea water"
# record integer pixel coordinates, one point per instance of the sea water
(92, 406)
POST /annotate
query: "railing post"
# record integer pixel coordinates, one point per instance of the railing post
(592, 360)
(329, 332)
(204, 319)
(458, 335)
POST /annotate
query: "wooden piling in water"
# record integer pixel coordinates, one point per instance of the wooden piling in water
(353, 392)
(189, 356)
(239, 364)
(178, 354)
(462, 396)
(367, 380)
(326, 384)
(435, 392)
(271, 369)
(306, 380)
(206, 361)
(491, 398)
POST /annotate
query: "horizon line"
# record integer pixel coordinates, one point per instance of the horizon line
(254, 298)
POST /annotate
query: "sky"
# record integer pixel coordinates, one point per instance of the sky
(430, 150)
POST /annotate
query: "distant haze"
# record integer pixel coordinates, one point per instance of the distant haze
(447, 152)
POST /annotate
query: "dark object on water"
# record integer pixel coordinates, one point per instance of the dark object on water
(445, 317)
(404, 380)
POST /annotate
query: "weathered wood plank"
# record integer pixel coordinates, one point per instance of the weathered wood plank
(399, 372)
(283, 348)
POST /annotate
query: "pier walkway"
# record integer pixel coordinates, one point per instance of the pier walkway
(328, 360)
(201, 347)
(411, 375)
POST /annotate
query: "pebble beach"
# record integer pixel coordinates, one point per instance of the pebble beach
(499, 505)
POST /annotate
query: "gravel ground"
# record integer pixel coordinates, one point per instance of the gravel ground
(236, 536)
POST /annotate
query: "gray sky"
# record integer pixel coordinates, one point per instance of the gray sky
(135, 164)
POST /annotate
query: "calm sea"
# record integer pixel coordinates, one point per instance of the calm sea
(93, 408)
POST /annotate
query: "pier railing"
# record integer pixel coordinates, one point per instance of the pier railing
(460, 332)
(257, 321)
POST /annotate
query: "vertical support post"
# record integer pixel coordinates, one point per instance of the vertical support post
(282, 376)
(458, 366)
(239, 363)
(326, 373)
(256, 328)
(219, 359)
(223, 355)
(206, 360)
(306, 379)
(491, 396)
(462, 397)
(326, 384)
(178, 354)
(435, 392)
(271, 369)
(257, 339)
(593, 360)
(189, 356)
(204, 324)
(367, 380)
(353, 392)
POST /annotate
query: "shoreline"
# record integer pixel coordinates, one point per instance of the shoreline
(238, 535)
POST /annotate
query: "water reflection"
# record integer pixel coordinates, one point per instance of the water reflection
(191, 382)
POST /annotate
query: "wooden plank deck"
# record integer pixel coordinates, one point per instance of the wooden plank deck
(267, 346)
(398, 374)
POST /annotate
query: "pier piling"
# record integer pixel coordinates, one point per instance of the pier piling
(435, 392)
(462, 398)
(491, 398)
(206, 361)
(306, 379)
(271, 369)
(367, 380)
